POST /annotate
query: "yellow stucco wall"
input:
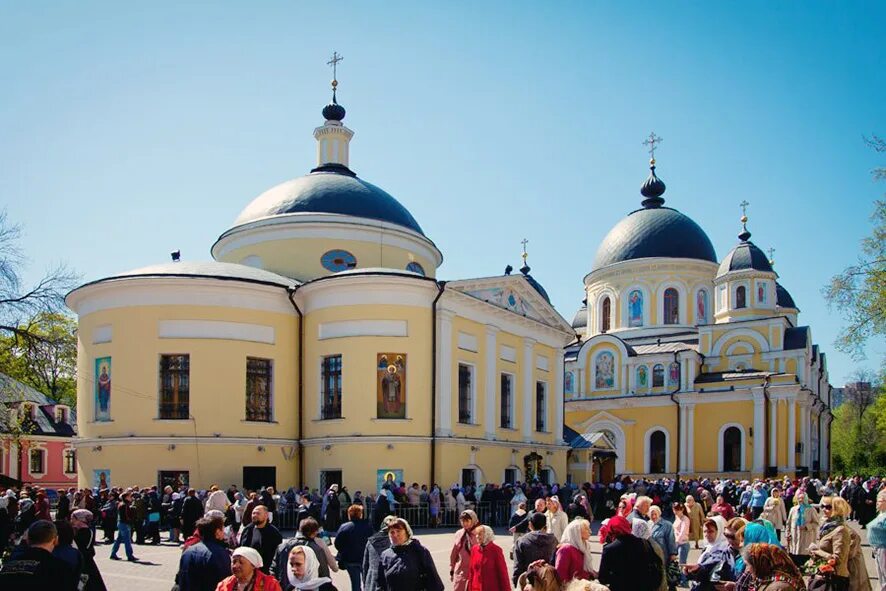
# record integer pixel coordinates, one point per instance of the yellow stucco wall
(709, 418)
(300, 258)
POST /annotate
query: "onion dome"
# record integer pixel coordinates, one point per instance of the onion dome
(330, 188)
(580, 320)
(783, 298)
(653, 188)
(333, 111)
(654, 231)
(746, 256)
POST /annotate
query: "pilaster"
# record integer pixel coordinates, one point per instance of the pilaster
(528, 386)
(491, 377)
(759, 463)
(444, 372)
(558, 397)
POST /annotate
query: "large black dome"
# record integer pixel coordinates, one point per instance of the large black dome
(332, 188)
(654, 232)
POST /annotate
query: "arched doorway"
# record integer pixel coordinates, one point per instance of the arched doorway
(657, 452)
(731, 450)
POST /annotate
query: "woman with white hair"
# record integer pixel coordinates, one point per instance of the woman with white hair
(488, 569)
(573, 559)
(643, 530)
(303, 571)
(245, 564)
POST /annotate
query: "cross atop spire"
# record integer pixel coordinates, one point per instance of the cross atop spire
(651, 142)
(525, 268)
(744, 209)
(771, 252)
(334, 63)
(744, 221)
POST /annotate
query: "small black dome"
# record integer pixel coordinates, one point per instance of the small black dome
(332, 188)
(654, 232)
(746, 256)
(653, 188)
(581, 318)
(783, 298)
(535, 284)
(333, 111)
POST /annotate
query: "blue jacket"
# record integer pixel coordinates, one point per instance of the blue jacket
(663, 533)
(350, 541)
(758, 497)
(203, 566)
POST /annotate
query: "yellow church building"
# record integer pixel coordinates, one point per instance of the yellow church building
(686, 364)
(318, 346)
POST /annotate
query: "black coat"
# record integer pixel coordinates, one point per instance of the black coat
(203, 566)
(536, 545)
(86, 544)
(408, 568)
(627, 564)
(192, 510)
(280, 564)
(350, 541)
(266, 546)
(35, 569)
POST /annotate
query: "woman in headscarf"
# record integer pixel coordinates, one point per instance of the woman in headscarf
(245, 564)
(774, 511)
(407, 565)
(574, 552)
(716, 564)
(629, 563)
(771, 569)
(303, 571)
(460, 555)
(84, 538)
(696, 518)
(643, 530)
(802, 528)
(238, 506)
(489, 572)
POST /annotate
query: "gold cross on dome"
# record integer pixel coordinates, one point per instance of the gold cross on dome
(334, 63)
(771, 252)
(524, 242)
(651, 142)
(744, 208)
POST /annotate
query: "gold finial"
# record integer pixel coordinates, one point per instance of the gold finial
(334, 63)
(651, 142)
(771, 251)
(524, 242)
(744, 211)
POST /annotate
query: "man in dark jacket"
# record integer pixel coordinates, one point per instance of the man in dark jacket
(307, 532)
(206, 563)
(192, 510)
(262, 536)
(629, 563)
(34, 568)
(350, 541)
(538, 544)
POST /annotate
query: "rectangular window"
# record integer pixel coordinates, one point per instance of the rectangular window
(330, 387)
(175, 379)
(60, 415)
(37, 461)
(177, 479)
(258, 389)
(541, 404)
(70, 461)
(467, 477)
(510, 475)
(507, 401)
(465, 394)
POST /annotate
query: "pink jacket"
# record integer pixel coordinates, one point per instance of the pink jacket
(570, 563)
(681, 530)
(460, 559)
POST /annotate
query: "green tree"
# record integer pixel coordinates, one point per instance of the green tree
(47, 363)
(858, 439)
(859, 291)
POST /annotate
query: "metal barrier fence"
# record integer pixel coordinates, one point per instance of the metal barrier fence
(494, 513)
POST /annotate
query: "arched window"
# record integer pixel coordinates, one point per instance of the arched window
(732, 450)
(741, 297)
(658, 376)
(657, 453)
(606, 321)
(671, 306)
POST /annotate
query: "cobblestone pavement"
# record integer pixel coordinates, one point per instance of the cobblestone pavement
(157, 565)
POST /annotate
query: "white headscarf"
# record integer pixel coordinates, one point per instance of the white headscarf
(250, 554)
(312, 568)
(572, 536)
(641, 529)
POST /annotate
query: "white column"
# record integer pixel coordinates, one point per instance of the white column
(444, 373)
(489, 414)
(683, 438)
(825, 443)
(759, 464)
(13, 461)
(792, 435)
(528, 386)
(805, 427)
(558, 398)
(690, 438)
(773, 432)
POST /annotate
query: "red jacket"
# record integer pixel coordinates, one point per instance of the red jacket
(488, 569)
(570, 563)
(263, 582)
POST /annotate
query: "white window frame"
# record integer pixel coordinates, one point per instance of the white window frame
(65, 460)
(695, 293)
(320, 387)
(625, 306)
(272, 382)
(647, 457)
(721, 452)
(748, 293)
(473, 370)
(42, 450)
(681, 303)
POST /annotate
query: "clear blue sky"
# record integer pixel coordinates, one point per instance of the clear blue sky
(128, 130)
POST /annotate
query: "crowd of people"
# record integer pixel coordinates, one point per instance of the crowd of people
(773, 535)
